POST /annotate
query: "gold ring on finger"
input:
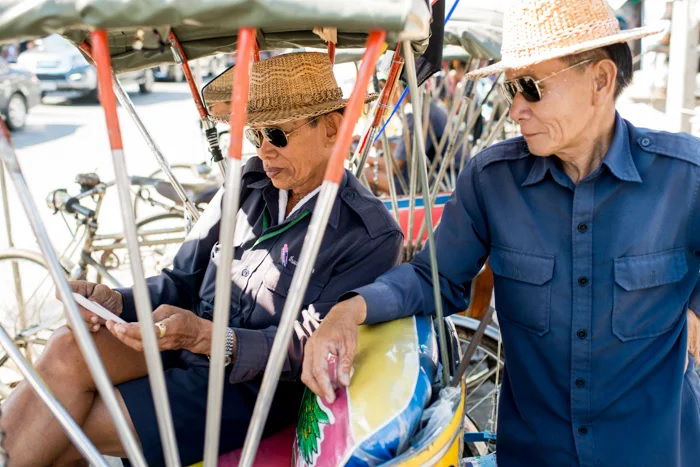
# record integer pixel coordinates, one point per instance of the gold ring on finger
(162, 328)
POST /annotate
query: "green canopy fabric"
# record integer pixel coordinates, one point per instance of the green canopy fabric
(138, 29)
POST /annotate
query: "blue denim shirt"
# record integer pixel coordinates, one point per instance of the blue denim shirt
(592, 284)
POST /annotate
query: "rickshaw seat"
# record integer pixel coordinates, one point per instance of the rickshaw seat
(275, 450)
(419, 213)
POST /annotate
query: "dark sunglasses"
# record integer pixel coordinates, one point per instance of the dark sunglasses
(276, 136)
(529, 87)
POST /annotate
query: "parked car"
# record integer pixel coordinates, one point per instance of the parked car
(19, 91)
(210, 65)
(63, 70)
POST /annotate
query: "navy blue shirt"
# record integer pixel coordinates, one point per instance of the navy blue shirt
(361, 242)
(592, 284)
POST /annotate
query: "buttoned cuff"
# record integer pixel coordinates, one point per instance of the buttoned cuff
(381, 301)
(251, 355)
(128, 305)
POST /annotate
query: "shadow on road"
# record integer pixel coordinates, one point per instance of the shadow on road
(136, 97)
(37, 134)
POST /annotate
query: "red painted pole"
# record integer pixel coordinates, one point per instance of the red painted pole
(239, 93)
(185, 64)
(331, 51)
(103, 62)
(334, 171)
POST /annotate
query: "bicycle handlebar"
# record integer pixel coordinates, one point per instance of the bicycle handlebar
(60, 200)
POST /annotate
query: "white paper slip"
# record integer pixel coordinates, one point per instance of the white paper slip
(98, 309)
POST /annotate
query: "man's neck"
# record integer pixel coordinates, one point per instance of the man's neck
(580, 161)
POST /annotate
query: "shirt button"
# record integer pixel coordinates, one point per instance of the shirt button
(645, 141)
(581, 333)
(580, 383)
(583, 281)
(245, 273)
(582, 228)
(582, 430)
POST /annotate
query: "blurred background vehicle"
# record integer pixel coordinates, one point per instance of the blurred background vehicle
(19, 91)
(62, 70)
(209, 67)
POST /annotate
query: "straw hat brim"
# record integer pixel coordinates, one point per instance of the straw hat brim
(278, 116)
(549, 54)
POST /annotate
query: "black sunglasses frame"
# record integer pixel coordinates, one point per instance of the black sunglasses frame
(276, 136)
(529, 87)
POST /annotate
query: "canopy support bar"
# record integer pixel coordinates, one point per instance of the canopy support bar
(85, 343)
(428, 218)
(142, 299)
(222, 299)
(312, 242)
(207, 124)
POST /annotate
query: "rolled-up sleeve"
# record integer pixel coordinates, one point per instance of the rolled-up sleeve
(362, 266)
(462, 240)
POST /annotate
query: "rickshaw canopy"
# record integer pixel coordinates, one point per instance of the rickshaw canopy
(476, 26)
(138, 29)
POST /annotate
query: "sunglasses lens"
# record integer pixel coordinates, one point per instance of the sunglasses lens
(254, 136)
(276, 137)
(508, 90)
(529, 88)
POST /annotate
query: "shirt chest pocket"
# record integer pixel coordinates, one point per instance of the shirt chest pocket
(648, 297)
(523, 288)
(277, 284)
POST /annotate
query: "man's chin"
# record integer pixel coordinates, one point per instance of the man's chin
(537, 149)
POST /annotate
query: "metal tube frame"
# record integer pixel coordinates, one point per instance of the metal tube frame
(142, 299)
(208, 126)
(72, 429)
(428, 206)
(222, 299)
(87, 347)
(309, 252)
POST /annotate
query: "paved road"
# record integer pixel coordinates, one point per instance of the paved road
(63, 138)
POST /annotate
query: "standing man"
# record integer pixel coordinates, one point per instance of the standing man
(592, 229)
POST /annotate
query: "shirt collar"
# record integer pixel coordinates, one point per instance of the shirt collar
(270, 193)
(618, 159)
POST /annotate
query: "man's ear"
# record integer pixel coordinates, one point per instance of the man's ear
(332, 122)
(604, 79)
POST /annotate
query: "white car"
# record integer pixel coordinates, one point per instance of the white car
(63, 70)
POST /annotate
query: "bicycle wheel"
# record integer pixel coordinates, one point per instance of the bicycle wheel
(29, 312)
(160, 236)
(485, 368)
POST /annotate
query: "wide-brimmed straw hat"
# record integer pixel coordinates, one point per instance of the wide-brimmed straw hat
(283, 88)
(538, 30)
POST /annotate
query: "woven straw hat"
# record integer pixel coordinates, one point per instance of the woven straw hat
(538, 30)
(283, 88)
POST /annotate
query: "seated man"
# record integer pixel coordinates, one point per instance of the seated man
(278, 194)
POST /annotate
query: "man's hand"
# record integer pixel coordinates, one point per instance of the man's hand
(99, 293)
(183, 330)
(337, 336)
(694, 336)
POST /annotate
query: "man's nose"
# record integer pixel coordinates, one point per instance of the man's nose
(520, 108)
(266, 150)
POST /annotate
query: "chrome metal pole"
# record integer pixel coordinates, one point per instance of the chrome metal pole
(142, 298)
(85, 342)
(222, 299)
(428, 218)
(297, 289)
(74, 432)
(128, 105)
(309, 251)
(16, 278)
(389, 161)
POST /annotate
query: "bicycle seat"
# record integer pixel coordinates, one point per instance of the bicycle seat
(197, 192)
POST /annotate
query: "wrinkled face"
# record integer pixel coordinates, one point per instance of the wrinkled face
(300, 165)
(559, 120)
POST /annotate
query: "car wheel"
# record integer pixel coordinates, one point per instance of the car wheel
(16, 112)
(147, 86)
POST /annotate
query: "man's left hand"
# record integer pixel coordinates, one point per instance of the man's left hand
(694, 336)
(183, 330)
